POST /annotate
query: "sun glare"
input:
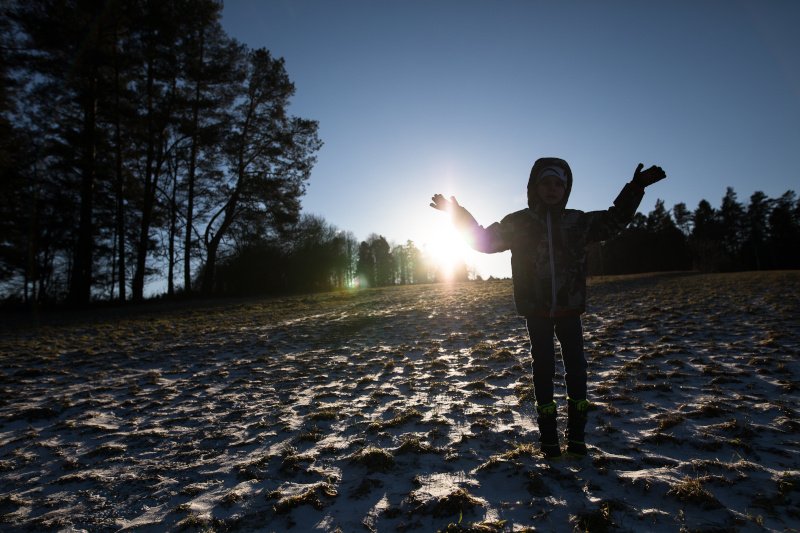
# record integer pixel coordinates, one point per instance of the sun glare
(447, 250)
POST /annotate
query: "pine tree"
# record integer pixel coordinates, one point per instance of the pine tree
(756, 231)
(731, 216)
(783, 242)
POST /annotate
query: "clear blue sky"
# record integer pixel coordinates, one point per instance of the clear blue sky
(460, 97)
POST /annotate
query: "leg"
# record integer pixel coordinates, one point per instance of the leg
(540, 331)
(543, 364)
(570, 336)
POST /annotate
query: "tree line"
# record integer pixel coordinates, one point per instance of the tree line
(139, 142)
(763, 234)
(316, 256)
(138, 139)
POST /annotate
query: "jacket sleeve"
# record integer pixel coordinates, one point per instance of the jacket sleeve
(606, 224)
(495, 238)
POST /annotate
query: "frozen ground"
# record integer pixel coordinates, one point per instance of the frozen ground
(405, 409)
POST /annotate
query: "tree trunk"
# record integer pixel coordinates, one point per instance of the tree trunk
(81, 283)
(173, 222)
(119, 184)
(210, 267)
(149, 193)
(187, 245)
(212, 246)
(137, 288)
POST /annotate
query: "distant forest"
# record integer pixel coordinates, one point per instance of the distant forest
(763, 234)
(139, 142)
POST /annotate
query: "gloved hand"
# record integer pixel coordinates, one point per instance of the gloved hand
(643, 178)
(460, 216)
(443, 204)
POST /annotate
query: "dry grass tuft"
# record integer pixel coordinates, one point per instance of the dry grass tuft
(502, 356)
(310, 496)
(496, 526)
(402, 418)
(476, 385)
(293, 462)
(313, 434)
(454, 504)
(524, 392)
(374, 459)
(598, 520)
(735, 427)
(231, 498)
(691, 490)
(520, 450)
(789, 482)
(482, 348)
(413, 444)
(193, 521)
(668, 420)
(708, 409)
(107, 450)
(326, 413)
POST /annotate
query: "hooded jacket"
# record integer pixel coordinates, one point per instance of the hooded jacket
(548, 244)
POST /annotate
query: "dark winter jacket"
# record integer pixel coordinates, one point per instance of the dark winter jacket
(548, 245)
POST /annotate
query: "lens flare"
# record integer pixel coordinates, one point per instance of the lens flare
(447, 251)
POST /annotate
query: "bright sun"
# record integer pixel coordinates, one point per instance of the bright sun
(447, 249)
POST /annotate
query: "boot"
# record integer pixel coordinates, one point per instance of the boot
(548, 431)
(576, 424)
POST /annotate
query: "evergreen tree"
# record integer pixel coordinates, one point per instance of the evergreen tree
(665, 246)
(731, 217)
(705, 240)
(623, 254)
(683, 218)
(783, 243)
(384, 262)
(365, 268)
(756, 231)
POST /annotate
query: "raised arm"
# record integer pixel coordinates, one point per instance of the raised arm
(606, 224)
(487, 240)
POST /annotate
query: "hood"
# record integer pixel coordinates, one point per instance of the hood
(538, 166)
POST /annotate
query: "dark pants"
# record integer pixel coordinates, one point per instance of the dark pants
(569, 332)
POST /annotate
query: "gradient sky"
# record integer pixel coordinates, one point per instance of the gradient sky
(460, 97)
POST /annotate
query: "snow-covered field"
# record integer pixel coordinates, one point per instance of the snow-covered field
(405, 409)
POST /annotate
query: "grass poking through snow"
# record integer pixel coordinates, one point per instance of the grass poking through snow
(405, 409)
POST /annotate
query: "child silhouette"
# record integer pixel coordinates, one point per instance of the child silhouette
(548, 265)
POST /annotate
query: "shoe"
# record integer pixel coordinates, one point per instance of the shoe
(576, 425)
(577, 448)
(551, 451)
(548, 430)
